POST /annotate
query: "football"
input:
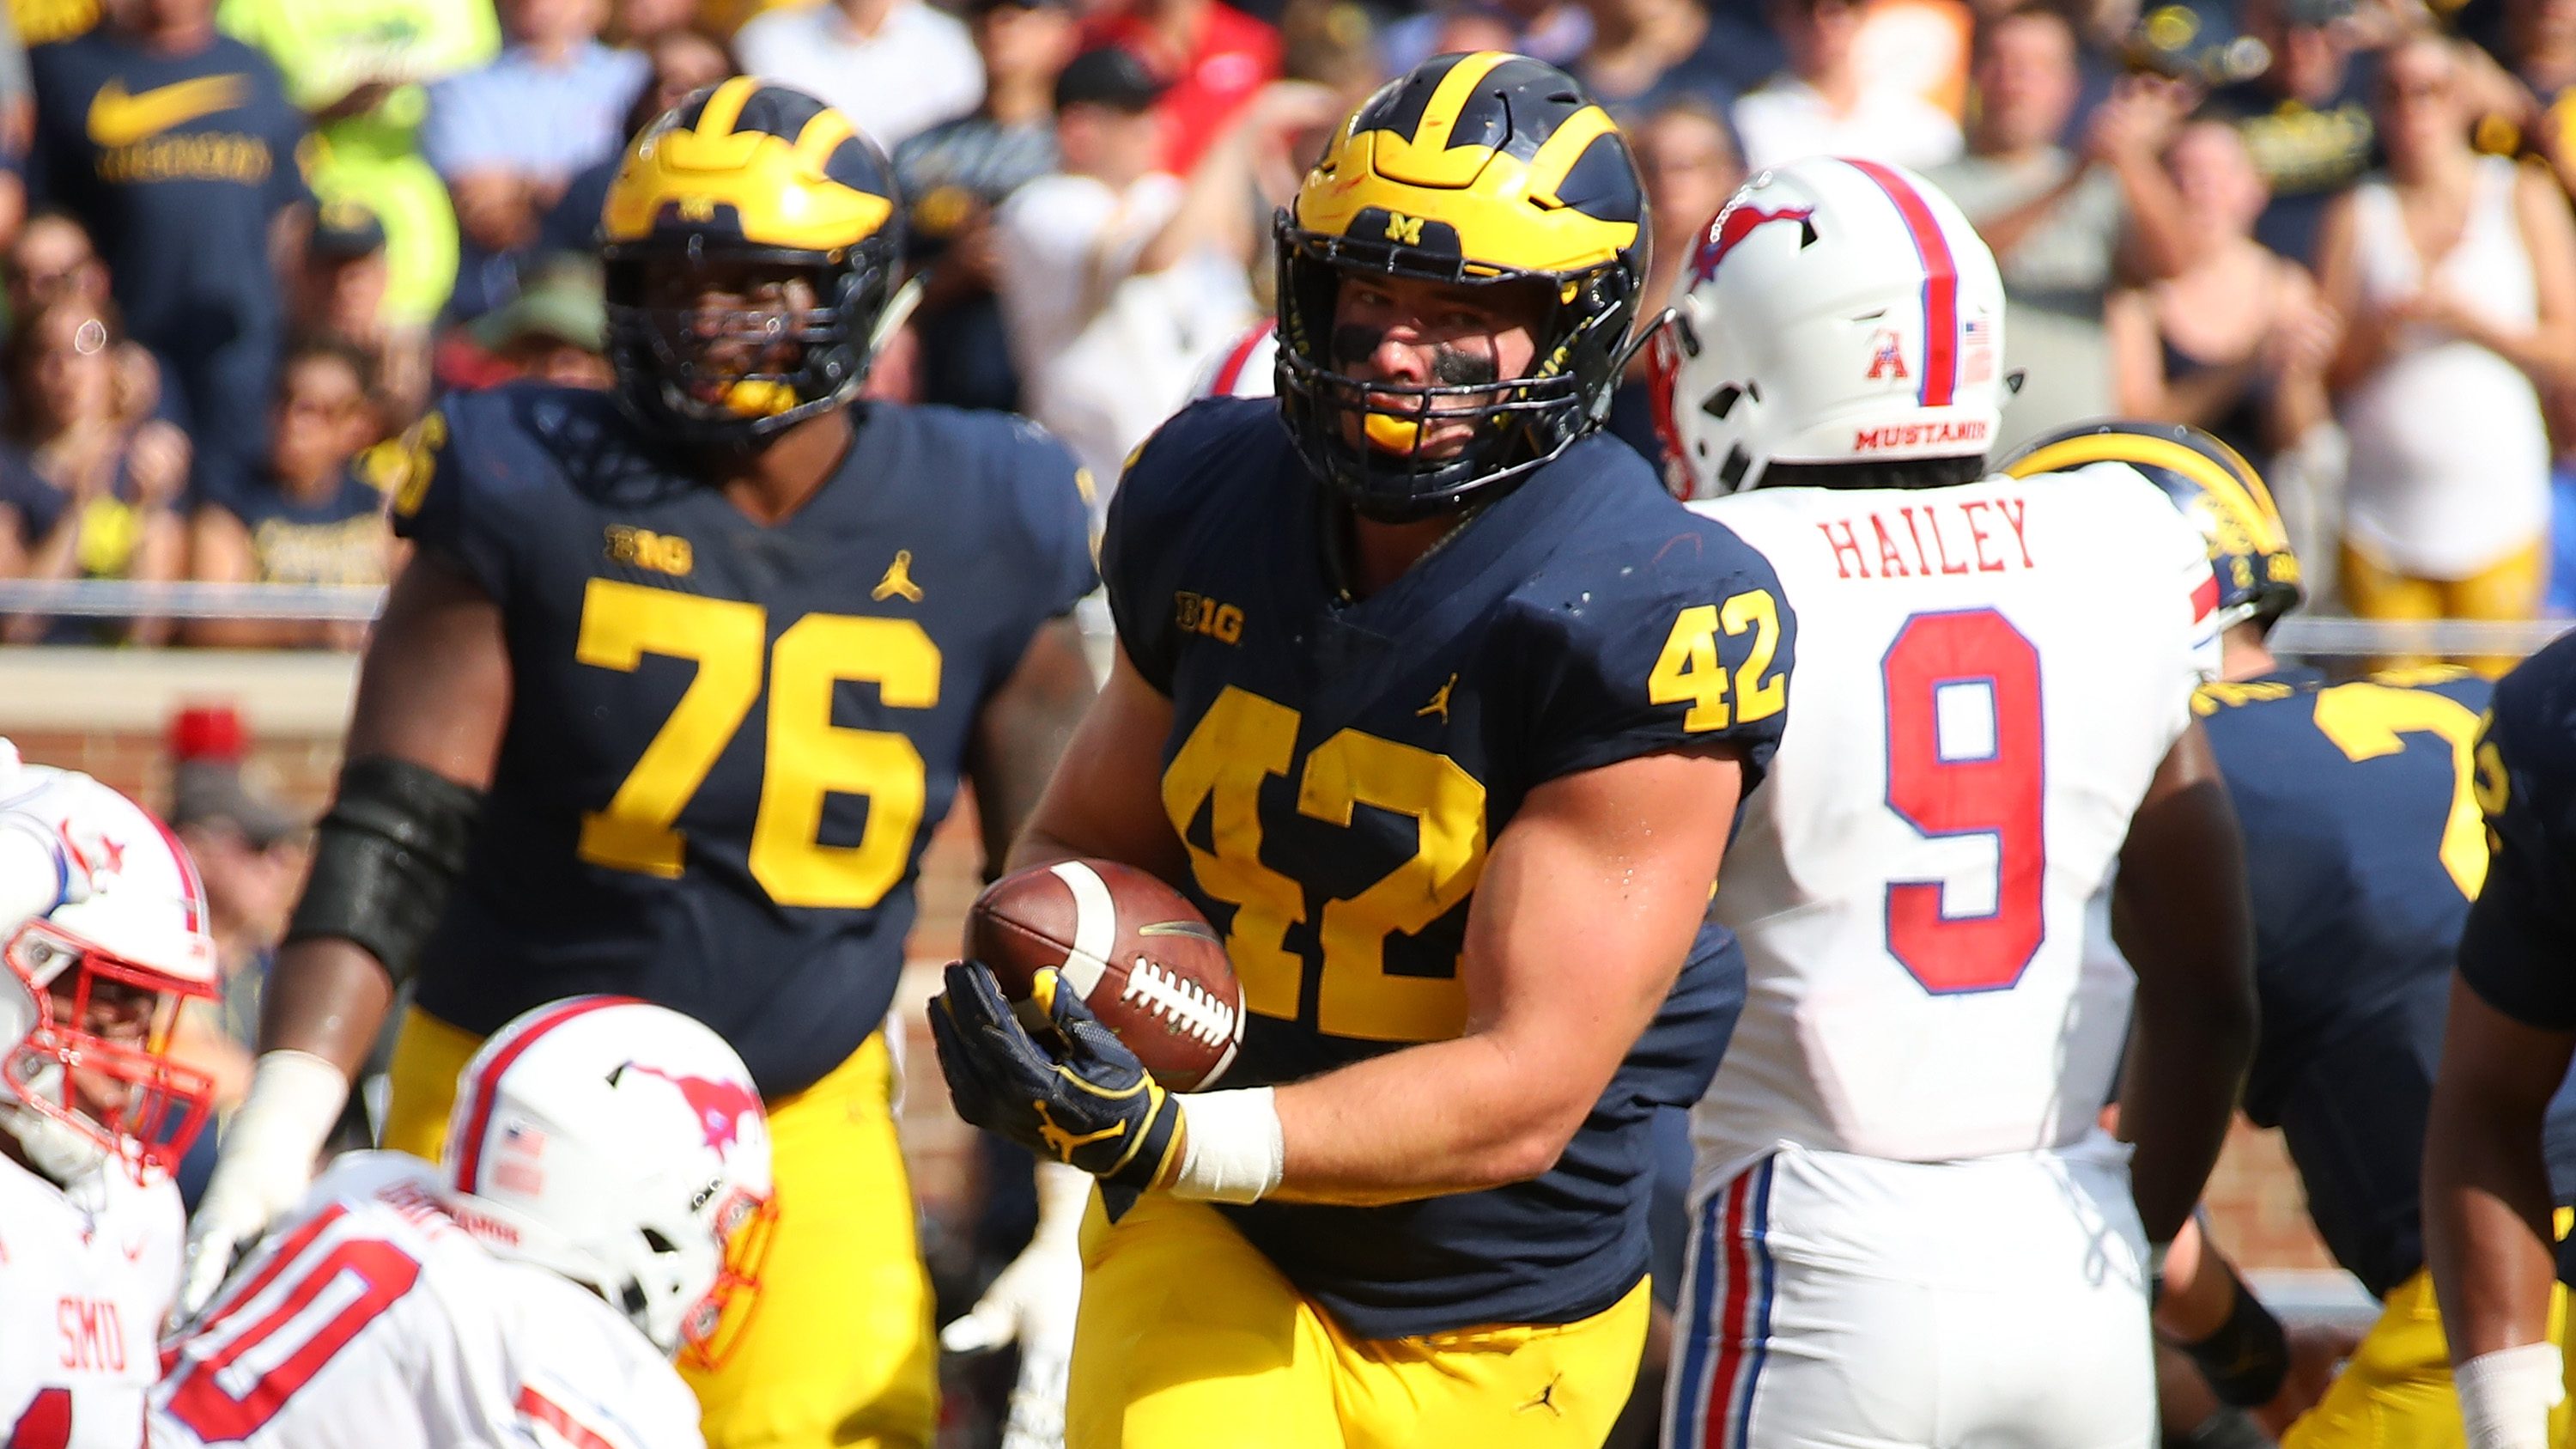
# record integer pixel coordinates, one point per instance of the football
(1138, 954)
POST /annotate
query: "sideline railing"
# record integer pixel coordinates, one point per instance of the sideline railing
(2309, 636)
(125, 599)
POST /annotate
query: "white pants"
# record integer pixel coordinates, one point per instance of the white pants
(1838, 1302)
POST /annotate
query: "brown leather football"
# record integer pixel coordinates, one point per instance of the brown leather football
(1132, 948)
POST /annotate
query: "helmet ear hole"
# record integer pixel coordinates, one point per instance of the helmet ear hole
(654, 1239)
(1738, 463)
(1722, 401)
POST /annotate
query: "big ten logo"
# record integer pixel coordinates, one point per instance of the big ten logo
(93, 1336)
(663, 553)
(1199, 614)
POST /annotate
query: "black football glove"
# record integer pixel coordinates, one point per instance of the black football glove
(1084, 1100)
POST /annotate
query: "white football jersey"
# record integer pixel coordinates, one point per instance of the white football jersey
(1987, 678)
(86, 1274)
(371, 1317)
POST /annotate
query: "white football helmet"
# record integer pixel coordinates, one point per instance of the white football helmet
(106, 940)
(624, 1146)
(1836, 311)
(1246, 367)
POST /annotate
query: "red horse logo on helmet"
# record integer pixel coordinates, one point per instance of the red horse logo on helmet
(720, 1105)
(1736, 223)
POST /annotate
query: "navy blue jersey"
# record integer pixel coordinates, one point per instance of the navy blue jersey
(2519, 951)
(177, 165)
(728, 743)
(2362, 852)
(1337, 769)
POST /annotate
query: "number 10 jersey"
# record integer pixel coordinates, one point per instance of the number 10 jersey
(1989, 675)
(375, 1315)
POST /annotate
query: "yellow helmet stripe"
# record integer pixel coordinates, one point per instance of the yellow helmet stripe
(1558, 153)
(821, 136)
(1440, 113)
(725, 106)
(2252, 480)
(2254, 511)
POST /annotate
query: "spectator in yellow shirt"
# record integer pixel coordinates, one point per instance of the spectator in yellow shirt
(360, 69)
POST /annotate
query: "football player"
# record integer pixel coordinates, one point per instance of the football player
(1908, 1229)
(602, 1201)
(1440, 708)
(2505, 1051)
(2363, 851)
(668, 703)
(103, 927)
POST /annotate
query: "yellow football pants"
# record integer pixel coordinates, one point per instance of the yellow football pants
(2395, 1393)
(1189, 1337)
(2508, 589)
(838, 1350)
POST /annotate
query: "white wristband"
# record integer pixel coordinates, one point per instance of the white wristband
(294, 1100)
(2506, 1396)
(1235, 1152)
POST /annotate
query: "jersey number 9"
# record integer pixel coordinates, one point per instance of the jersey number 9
(1964, 757)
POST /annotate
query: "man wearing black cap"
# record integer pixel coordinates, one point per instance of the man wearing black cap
(340, 293)
(344, 278)
(1096, 351)
(1065, 240)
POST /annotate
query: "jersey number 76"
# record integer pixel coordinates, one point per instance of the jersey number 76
(807, 757)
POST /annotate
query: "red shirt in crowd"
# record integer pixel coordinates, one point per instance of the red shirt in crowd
(1234, 55)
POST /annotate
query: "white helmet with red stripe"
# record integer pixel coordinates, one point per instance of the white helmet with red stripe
(1246, 367)
(1836, 311)
(624, 1146)
(105, 936)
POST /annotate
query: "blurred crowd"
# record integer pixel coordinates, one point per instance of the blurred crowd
(247, 242)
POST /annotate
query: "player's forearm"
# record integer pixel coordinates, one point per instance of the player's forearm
(2179, 913)
(2194, 1038)
(2197, 1288)
(326, 997)
(1475, 1114)
(2176, 1107)
(2486, 1220)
